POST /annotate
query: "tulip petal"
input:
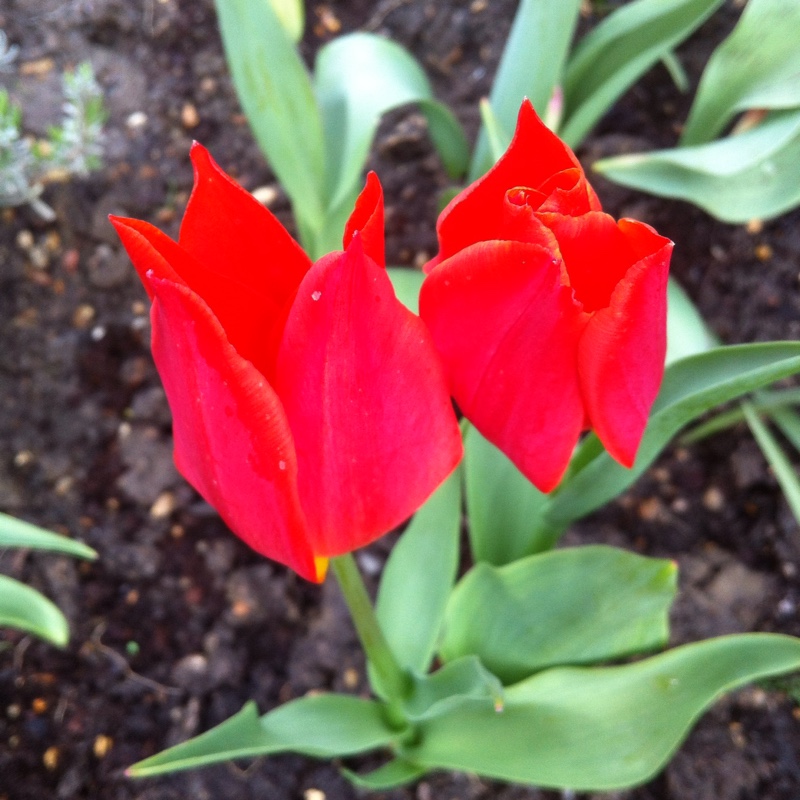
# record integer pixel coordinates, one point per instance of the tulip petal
(253, 323)
(230, 232)
(367, 403)
(596, 252)
(507, 332)
(232, 439)
(533, 157)
(621, 353)
(367, 220)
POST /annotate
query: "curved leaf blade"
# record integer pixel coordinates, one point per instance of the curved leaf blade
(17, 533)
(358, 78)
(757, 66)
(275, 91)
(691, 387)
(574, 606)
(396, 772)
(599, 728)
(322, 726)
(531, 66)
(753, 174)
(27, 610)
(618, 52)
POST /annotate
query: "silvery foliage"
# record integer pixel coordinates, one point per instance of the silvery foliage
(73, 148)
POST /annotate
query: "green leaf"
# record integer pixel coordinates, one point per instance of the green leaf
(531, 66)
(687, 333)
(614, 55)
(394, 773)
(407, 283)
(789, 423)
(464, 678)
(16, 533)
(752, 174)
(275, 91)
(27, 610)
(418, 578)
(575, 606)
(601, 728)
(781, 466)
(757, 66)
(691, 387)
(768, 402)
(503, 505)
(323, 726)
(292, 16)
(358, 78)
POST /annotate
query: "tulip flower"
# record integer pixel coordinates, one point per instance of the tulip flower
(550, 316)
(309, 406)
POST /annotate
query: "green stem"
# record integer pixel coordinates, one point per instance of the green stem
(393, 679)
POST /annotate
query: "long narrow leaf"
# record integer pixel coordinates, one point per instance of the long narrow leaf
(789, 423)
(753, 174)
(619, 51)
(27, 610)
(531, 66)
(691, 387)
(17, 533)
(418, 577)
(503, 505)
(781, 466)
(757, 66)
(275, 92)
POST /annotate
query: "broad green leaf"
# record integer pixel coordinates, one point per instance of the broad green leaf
(789, 423)
(358, 78)
(781, 466)
(27, 610)
(275, 91)
(502, 504)
(757, 66)
(691, 387)
(464, 678)
(16, 533)
(752, 174)
(575, 606)
(394, 773)
(407, 283)
(418, 577)
(531, 66)
(614, 55)
(292, 16)
(687, 333)
(323, 726)
(599, 728)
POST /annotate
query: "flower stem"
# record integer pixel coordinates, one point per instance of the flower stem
(393, 679)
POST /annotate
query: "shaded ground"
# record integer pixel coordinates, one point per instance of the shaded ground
(178, 624)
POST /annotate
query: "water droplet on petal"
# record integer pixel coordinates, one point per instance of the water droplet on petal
(316, 295)
(281, 465)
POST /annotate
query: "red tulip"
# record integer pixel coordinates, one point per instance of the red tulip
(550, 317)
(309, 406)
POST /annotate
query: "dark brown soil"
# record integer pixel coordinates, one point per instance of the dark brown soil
(178, 624)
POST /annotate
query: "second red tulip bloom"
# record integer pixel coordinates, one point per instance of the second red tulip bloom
(550, 317)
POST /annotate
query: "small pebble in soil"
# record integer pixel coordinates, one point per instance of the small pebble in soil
(190, 118)
(763, 252)
(102, 746)
(714, 499)
(82, 316)
(136, 120)
(50, 758)
(313, 794)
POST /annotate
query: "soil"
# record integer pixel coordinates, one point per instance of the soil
(178, 624)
